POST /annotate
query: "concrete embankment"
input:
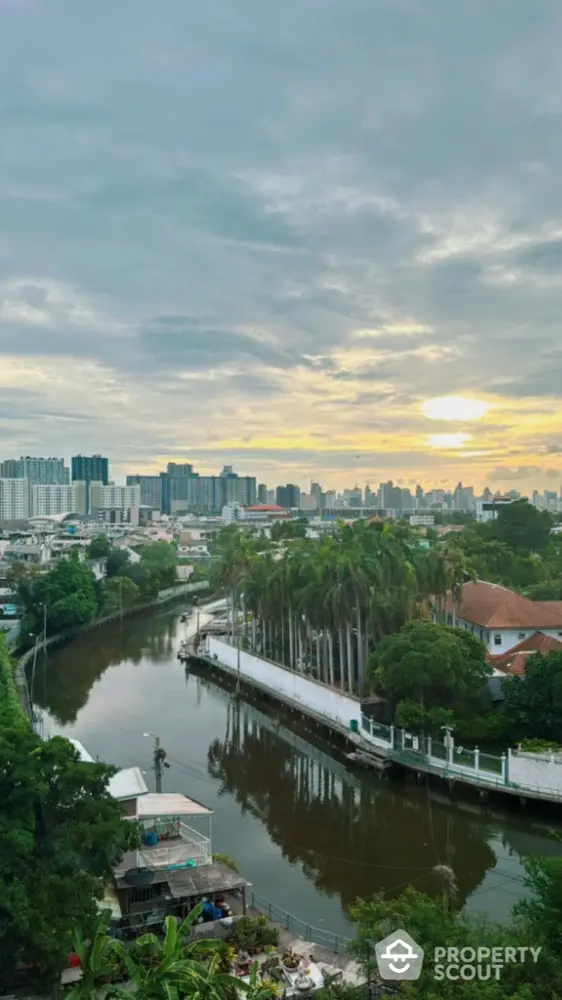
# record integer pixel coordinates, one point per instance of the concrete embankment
(514, 775)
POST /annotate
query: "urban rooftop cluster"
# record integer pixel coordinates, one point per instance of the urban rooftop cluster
(38, 487)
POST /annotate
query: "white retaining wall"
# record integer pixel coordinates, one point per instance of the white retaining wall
(309, 694)
(534, 771)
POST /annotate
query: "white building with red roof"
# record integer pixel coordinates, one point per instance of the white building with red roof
(511, 626)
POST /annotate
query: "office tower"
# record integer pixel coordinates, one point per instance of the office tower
(10, 469)
(14, 499)
(288, 496)
(370, 497)
(150, 489)
(262, 493)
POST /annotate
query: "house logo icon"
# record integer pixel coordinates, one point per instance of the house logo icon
(399, 957)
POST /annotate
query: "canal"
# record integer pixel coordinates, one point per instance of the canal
(308, 833)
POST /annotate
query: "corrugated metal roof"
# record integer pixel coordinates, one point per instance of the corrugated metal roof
(127, 784)
(169, 804)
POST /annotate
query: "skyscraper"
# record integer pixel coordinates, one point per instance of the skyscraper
(38, 471)
(288, 496)
(89, 469)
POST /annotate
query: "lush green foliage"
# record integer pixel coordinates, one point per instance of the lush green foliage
(321, 606)
(426, 667)
(295, 528)
(99, 547)
(524, 528)
(61, 833)
(11, 712)
(533, 703)
(536, 922)
(72, 597)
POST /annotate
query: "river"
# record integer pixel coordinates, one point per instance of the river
(308, 833)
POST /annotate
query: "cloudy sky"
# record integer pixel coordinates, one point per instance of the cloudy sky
(311, 238)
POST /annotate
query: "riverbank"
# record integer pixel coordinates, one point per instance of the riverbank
(165, 597)
(523, 777)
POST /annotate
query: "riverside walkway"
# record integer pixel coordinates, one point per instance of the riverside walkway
(527, 776)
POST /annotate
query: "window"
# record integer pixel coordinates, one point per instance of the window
(522, 635)
(481, 633)
(497, 639)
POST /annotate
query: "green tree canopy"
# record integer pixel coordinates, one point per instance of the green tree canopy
(61, 833)
(99, 547)
(117, 563)
(120, 592)
(161, 559)
(521, 526)
(294, 528)
(432, 665)
(533, 703)
(67, 591)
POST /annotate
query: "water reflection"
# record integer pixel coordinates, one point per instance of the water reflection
(64, 680)
(353, 834)
(308, 832)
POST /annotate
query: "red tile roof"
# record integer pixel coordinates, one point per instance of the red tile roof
(491, 606)
(514, 661)
(265, 508)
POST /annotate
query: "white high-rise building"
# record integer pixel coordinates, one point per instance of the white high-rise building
(53, 499)
(114, 497)
(14, 499)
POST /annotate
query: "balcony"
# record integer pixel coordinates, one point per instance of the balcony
(175, 846)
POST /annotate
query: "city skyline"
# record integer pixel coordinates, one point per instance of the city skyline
(317, 246)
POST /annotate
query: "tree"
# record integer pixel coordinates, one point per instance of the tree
(67, 592)
(99, 547)
(161, 559)
(295, 528)
(432, 665)
(521, 526)
(120, 592)
(118, 562)
(435, 925)
(533, 703)
(61, 835)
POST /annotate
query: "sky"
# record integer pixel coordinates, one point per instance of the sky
(317, 239)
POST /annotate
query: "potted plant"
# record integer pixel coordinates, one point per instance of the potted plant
(290, 961)
(271, 970)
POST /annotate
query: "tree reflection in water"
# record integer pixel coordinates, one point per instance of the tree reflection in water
(64, 679)
(354, 834)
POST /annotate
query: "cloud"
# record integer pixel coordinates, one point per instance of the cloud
(203, 254)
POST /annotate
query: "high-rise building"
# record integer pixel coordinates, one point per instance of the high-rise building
(10, 469)
(288, 496)
(114, 497)
(90, 469)
(262, 493)
(14, 499)
(370, 497)
(49, 498)
(50, 471)
(150, 489)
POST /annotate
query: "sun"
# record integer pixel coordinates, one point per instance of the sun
(448, 441)
(457, 408)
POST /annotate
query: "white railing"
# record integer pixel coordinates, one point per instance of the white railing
(189, 845)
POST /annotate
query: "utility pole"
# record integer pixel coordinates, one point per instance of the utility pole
(44, 633)
(159, 761)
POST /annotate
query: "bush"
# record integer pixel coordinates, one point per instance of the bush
(253, 934)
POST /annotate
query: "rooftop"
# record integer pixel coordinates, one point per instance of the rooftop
(169, 804)
(265, 508)
(491, 606)
(514, 662)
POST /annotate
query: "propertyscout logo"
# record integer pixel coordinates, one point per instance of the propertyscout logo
(399, 957)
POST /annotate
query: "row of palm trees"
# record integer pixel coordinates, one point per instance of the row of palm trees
(321, 605)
